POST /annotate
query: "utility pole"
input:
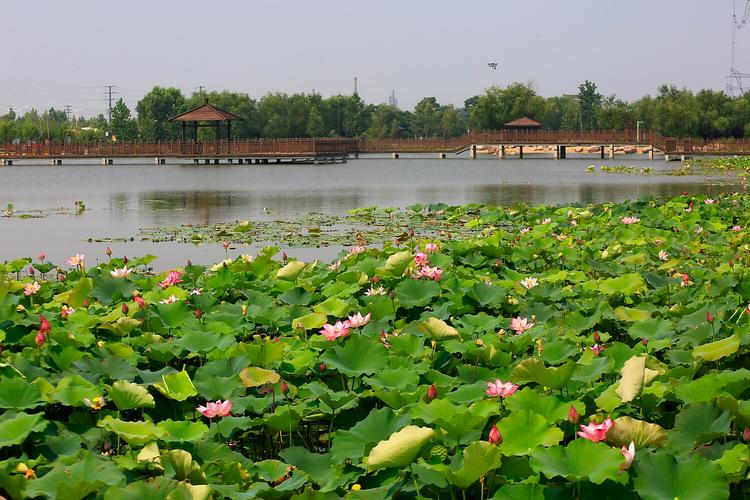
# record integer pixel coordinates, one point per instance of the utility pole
(355, 85)
(109, 92)
(68, 111)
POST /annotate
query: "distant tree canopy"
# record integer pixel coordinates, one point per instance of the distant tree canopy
(671, 111)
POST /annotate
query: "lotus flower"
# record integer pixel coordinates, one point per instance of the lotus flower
(629, 454)
(41, 256)
(420, 258)
(31, 288)
(595, 432)
(630, 220)
(138, 300)
(495, 437)
(431, 392)
(520, 325)
(196, 291)
(39, 339)
(44, 326)
(169, 300)
(709, 201)
(685, 279)
(108, 251)
(335, 266)
(546, 221)
(699, 230)
(356, 250)
(121, 273)
(746, 435)
(736, 228)
(76, 260)
(431, 247)
(573, 415)
(529, 283)
(96, 405)
(499, 388)
(173, 277)
(525, 230)
(217, 409)
(332, 332)
(375, 291)
(596, 348)
(433, 273)
(358, 321)
(66, 311)
(663, 256)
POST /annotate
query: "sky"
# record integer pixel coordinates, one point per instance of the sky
(64, 53)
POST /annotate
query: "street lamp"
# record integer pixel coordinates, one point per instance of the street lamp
(493, 67)
(638, 130)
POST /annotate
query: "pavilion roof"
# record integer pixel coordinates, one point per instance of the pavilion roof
(524, 122)
(205, 113)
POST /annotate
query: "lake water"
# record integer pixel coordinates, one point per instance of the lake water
(123, 198)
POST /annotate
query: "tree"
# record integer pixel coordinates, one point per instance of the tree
(154, 111)
(498, 106)
(615, 114)
(315, 125)
(426, 118)
(452, 122)
(589, 102)
(122, 126)
(385, 122)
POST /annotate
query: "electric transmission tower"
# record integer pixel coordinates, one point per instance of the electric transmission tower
(736, 78)
(109, 91)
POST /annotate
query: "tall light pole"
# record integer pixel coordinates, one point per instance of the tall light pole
(638, 130)
(493, 67)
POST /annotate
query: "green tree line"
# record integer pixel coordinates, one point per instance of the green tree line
(671, 111)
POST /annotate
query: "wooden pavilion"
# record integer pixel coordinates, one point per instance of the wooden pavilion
(210, 116)
(524, 123)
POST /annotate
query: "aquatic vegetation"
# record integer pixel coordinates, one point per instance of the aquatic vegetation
(623, 370)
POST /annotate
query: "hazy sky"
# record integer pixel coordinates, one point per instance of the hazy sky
(57, 53)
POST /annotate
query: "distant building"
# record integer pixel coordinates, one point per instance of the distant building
(524, 123)
(392, 101)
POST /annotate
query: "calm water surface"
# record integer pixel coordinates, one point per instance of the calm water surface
(121, 199)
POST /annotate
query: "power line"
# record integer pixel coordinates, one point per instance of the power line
(108, 90)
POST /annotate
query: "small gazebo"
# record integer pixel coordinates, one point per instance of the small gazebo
(523, 123)
(211, 116)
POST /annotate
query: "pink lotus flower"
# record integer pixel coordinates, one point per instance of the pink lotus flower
(630, 220)
(332, 332)
(335, 266)
(225, 244)
(76, 260)
(433, 273)
(41, 256)
(173, 277)
(746, 435)
(499, 388)
(44, 326)
(520, 325)
(596, 348)
(121, 273)
(545, 221)
(66, 311)
(663, 256)
(495, 437)
(39, 339)
(525, 230)
(420, 258)
(108, 251)
(709, 201)
(169, 300)
(138, 300)
(31, 288)
(96, 405)
(629, 454)
(358, 321)
(356, 250)
(685, 279)
(196, 291)
(431, 247)
(375, 291)
(595, 432)
(217, 409)
(736, 228)
(529, 283)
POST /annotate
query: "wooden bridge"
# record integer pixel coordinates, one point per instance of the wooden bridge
(338, 150)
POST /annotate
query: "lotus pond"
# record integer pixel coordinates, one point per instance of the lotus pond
(594, 351)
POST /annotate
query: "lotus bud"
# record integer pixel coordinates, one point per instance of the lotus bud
(644, 341)
(85, 302)
(284, 388)
(44, 326)
(276, 340)
(431, 392)
(391, 295)
(31, 271)
(125, 309)
(710, 317)
(225, 245)
(39, 339)
(433, 345)
(244, 310)
(411, 233)
(124, 260)
(41, 256)
(20, 308)
(479, 343)
(100, 344)
(573, 415)
(189, 263)
(597, 337)
(322, 367)
(284, 256)
(495, 437)
(198, 313)
(746, 435)
(108, 251)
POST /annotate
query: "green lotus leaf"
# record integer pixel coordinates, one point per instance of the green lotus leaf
(177, 386)
(311, 321)
(134, 433)
(333, 306)
(358, 356)
(253, 376)
(355, 443)
(630, 314)
(626, 430)
(440, 330)
(73, 389)
(127, 396)
(321, 468)
(16, 427)
(283, 419)
(180, 465)
(76, 477)
(243, 227)
(718, 349)
(416, 293)
(477, 460)
(696, 425)
(533, 370)
(183, 430)
(580, 460)
(17, 394)
(521, 491)
(109, 290)
(627, 284)
(204, 342)
(291, 270)
(400, 449)
(396, 264)
(661, 477)
(523, 431)
(553, 408)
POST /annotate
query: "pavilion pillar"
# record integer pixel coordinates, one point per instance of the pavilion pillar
(501, 152)
(195, 131)
(601, 152)
(183, 131)
(473, 152)
(611, 151)
(229, 130)
(520, 152)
